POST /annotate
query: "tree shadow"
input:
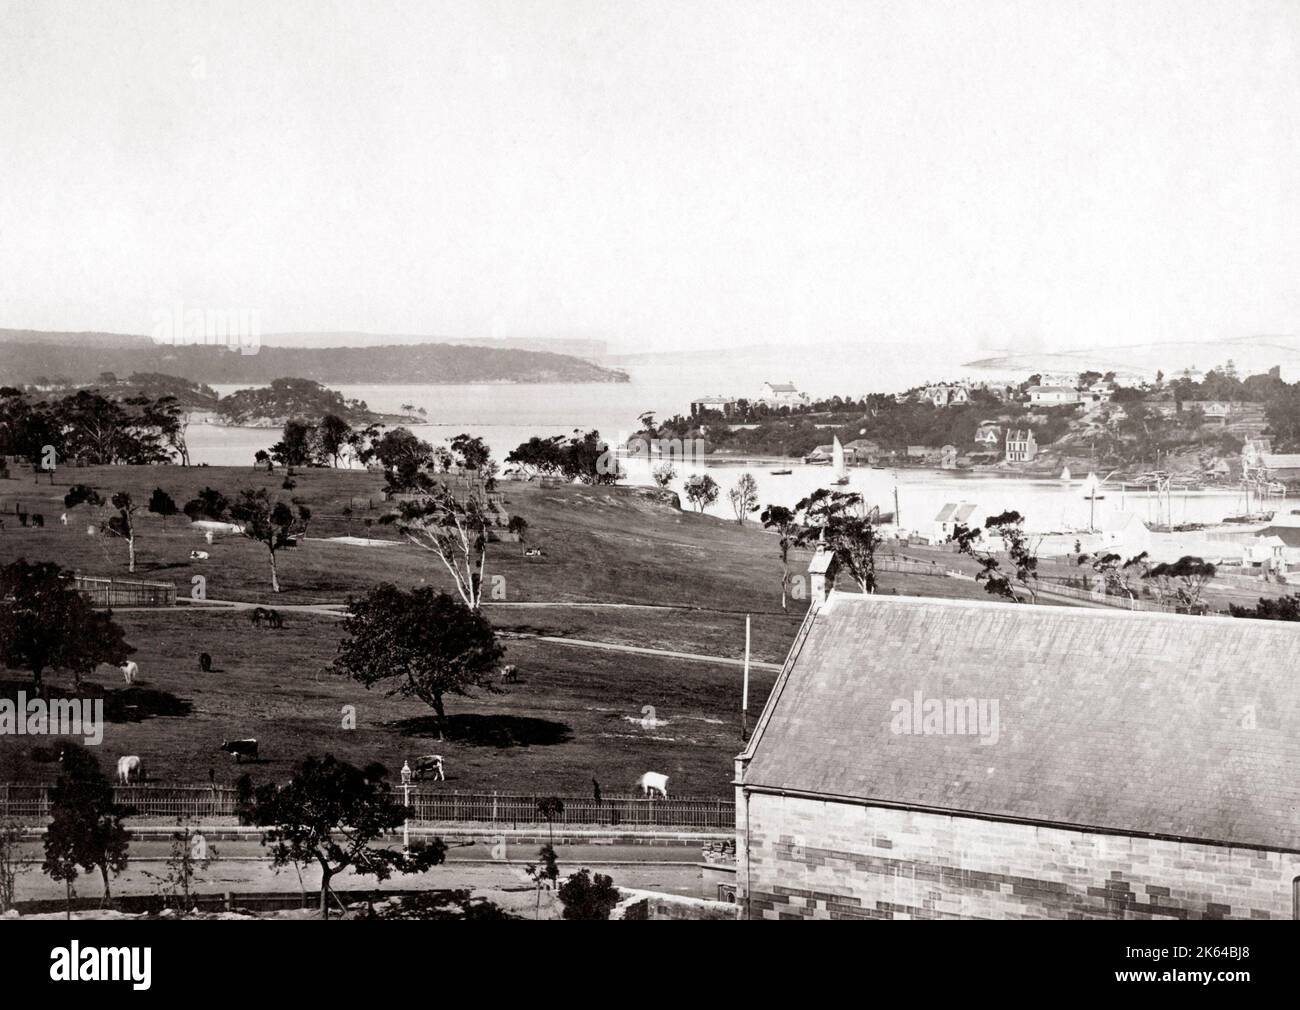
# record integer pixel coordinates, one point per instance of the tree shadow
(130, 704)
(489, 730)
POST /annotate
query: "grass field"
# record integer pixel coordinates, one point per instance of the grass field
(576, 715)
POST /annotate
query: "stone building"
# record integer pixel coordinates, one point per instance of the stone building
(929, 758)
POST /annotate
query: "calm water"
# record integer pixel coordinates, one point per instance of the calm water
(506, 415)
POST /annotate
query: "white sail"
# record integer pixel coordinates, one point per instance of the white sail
(1065, 474)
(837, 458)
(1092, 487)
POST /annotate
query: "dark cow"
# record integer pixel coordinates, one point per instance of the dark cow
(429, 765)
(274, 619)
(38, 520)
(205, 662)
(257, 615)
(240, 749)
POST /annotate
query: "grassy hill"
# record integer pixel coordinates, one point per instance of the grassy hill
(576, 713)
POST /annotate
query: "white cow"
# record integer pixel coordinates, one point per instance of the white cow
(130, 670)
(653, 782)
(64, 519)
(198, 555)
(128, 768)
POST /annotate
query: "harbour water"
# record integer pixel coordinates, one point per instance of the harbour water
(506, 415)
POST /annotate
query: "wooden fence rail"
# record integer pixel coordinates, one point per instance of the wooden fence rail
(31, 802)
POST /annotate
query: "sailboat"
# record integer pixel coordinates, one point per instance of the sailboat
(1092, 488)
(1065, 474)
(837, 463)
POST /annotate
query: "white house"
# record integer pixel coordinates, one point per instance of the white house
(1054, 396)
(782, 394)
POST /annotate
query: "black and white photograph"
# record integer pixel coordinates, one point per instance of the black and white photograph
(633, 460)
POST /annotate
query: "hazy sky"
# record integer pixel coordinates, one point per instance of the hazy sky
(664, 175)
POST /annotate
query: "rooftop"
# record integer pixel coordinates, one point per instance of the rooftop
(1121, 721)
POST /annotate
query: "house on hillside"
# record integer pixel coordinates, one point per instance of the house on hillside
(724, 405)
(782, 394)
(922, 453)
(993, 780)
(1021, 447)
(946, 394)
(988, 436)
(1053, 396)
(863, 452)
(949, 517)
(1259, 462)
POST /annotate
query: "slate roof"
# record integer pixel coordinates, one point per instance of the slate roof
(1127, 722)
(953, 512)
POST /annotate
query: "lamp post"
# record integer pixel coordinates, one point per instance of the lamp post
(406, 803)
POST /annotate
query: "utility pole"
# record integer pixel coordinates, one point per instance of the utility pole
(744, 693)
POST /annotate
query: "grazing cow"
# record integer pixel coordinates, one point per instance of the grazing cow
(130, 670)
(205, 662)
(38, 520)
(64, 519)
(653, 782)
(128, 768)
(257, 615)
(510, 674)
(240, 749)
(198, 555)
(430, 764)
(274, 619)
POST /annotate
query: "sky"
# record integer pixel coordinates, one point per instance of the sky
(665, 176)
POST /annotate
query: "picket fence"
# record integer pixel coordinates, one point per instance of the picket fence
(31, 802)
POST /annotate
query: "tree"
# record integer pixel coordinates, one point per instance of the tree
(1117, 575)
(1283, 608)
(405, 459)
(701, 491)
(123, 525)
(473, 451)
(837, 521)
(295, 445)
(518, 525)
(781, 521)
(190, 855)
(455, 530)
(546, 871)
(333, 436)
(329, 813)
(49, 625)
(273, 525)
(210, 504)
(11, 862)
(585, 898)
(85, 829)
(263, 458)
(1181, 582)
(82, 494)
(162, 504)
(430, 643)
(663, 474)
(1009, 527)
(744, 497)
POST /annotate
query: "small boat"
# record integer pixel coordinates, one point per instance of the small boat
(780, 473)
(837, 461)
(1065, 474)
(1092, 489)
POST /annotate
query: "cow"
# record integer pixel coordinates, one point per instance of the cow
(128, 768)
(510, 674)
(653, 782)
(198, 555)
(205, 662)
(64, 519)
(430, 764)
(130, 670)
(274, 619)
(240, 749)
(257, 615)
(38, 520)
